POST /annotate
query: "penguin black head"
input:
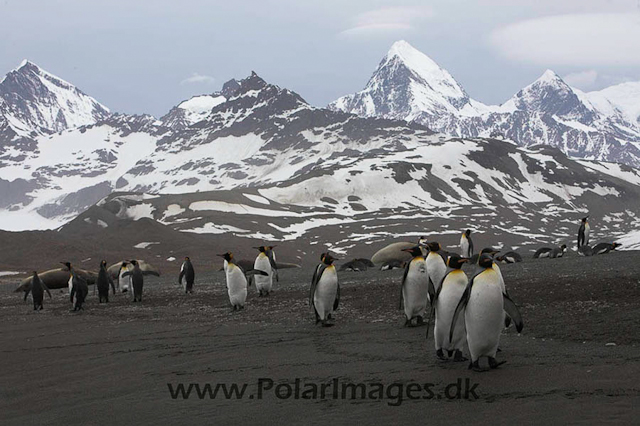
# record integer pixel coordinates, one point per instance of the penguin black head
(434, 246)
(422, 241)
(414, 251)
(271, 247)
(103, 263)
(328, 259)
(467, 232)
(490, 251)
(584, 219)
(563, 247)
(134, 262)
(187, 258)
(454, 261)
(262, 249)
(227, 256)
(67, 265)
(35, 273)
(614, 245)
(485, 261)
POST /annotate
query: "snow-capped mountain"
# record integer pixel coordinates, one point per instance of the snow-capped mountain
(198, 108)
(265, 164)
(410, 86)
(624, 97)
(33, 100)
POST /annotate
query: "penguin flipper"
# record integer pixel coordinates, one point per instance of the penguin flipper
(314, 283)
(433, 295)
(126, 274)
(26, 293)
(461, 305)
(404, 279)
(513, 312)
(336, 302)
(45, 288)
(256, 272)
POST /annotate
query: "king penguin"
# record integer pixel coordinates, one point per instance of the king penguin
(263, 262)
(272, 259)
(414, 292)
(482, 305)
(237, 281)
(187, 272)
(583, 232)
(124, 282)
(436, 267)
(79, 289)
(103, 282)
(38, 287)
(466, 244)
(445, 301)
(325, 290)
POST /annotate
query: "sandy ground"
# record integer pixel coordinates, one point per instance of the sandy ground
(577, 359)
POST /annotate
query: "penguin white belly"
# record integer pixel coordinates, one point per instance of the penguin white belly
(484, 316)
(587, 229)
(325, 293)
(453, 287)
(70, 288)
(124, 283)
(499, 272)
(415, 292)
(236, 285)
(464, 246)
(436, 269)
(263, 283)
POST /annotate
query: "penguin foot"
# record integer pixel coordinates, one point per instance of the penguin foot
(475, 366)
(408, 323)
(326, 324)
(440, 355)
(507, 321)
(493, 364)
(420, 321)
(499, 350)
(458, 357)
(449, 352)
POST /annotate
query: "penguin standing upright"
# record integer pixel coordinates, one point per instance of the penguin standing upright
(187, 272)
(137, 280)
(38, 287)
(264, 263)
(103, 282)
(272, 258)
(79, 289)
(466, 244)
(436, 268)
(583, 232)
(325, 290)
(124, 281)
(444, 304)
(414, 291)
(483, 303)
(237, 281)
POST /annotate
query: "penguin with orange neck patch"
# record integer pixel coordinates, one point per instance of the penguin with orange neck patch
(325, 290)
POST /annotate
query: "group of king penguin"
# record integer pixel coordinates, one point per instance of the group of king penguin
(130, 277)
(239, 276)
(469, 312)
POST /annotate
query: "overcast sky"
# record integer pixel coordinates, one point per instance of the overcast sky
(145, 56)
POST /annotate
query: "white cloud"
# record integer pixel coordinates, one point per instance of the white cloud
(596, 39)
(386, 20)
(582, 80)
(198, 79)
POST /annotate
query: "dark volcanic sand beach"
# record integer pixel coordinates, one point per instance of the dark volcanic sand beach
(111, 363)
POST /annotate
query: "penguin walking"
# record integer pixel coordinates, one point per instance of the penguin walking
(436, 267)
(264, 263)
(187, 272)
(466, 244)
(79, 289)
(325, 291)
(483, 303)
(103, 282)
(583, 232)
(445, 302)
(237, 281)
(414, 292)
(38, 287)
